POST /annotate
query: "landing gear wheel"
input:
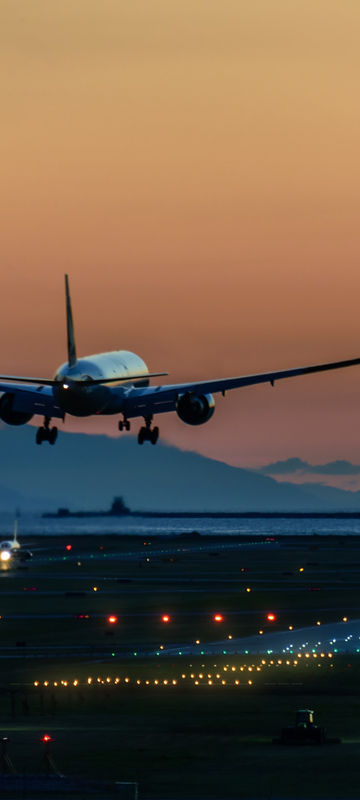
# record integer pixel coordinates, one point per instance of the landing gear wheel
(53, 435)
(46, 434)
(154, 435)
(124, 424)
(147, 433)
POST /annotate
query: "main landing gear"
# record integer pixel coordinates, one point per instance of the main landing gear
(45, 433)
(148, 434)
(124, 425)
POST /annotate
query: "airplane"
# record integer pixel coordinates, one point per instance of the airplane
(117, 383)
(12, 547)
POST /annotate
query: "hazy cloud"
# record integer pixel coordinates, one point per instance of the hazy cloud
(292, 465)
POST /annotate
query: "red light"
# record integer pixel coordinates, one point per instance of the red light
(46, 738)
(112, 619)
(165, 618)
(271, 617)
(68, 547)
(218, 618)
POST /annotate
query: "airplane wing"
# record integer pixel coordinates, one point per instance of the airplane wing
(159, 399)
(32, 399)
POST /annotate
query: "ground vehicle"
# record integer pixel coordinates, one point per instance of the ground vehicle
(304, 731)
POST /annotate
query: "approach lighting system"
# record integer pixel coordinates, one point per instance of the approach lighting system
(271, 617)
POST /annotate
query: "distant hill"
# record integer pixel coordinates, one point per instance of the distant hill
(87, 471)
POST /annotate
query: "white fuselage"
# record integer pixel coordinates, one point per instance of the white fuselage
(12, 544)
(82, 401)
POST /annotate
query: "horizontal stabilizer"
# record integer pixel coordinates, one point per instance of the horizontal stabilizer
(87, 382)
(124, 378)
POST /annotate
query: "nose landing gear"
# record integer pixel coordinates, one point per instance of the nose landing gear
(147, 433)
(45, 433)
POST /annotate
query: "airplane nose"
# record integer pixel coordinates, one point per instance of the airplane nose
(78, 399)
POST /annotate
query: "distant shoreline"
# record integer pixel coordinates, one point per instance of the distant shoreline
(206, 514)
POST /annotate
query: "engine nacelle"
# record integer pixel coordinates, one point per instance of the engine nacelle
(8, 415)
(195, 409)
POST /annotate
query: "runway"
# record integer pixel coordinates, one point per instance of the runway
(335, 637)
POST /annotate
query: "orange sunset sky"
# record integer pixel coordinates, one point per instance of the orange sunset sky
(195, 167)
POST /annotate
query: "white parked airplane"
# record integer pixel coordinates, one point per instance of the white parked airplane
(12, 548)
(11, 544)
(118, 383)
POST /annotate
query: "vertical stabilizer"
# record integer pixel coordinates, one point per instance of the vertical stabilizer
(15, 529)
(69, 326)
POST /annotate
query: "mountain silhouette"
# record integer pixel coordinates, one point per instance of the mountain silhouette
(88, 471)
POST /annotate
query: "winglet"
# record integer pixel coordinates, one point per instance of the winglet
(70, 326)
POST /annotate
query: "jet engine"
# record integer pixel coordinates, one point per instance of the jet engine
(195, 409)
(8, 415)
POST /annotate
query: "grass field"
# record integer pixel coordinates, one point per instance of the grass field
(181, 727)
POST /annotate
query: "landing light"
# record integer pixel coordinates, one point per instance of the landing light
(5, 555)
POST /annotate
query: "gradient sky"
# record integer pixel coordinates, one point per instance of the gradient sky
(195, 167)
